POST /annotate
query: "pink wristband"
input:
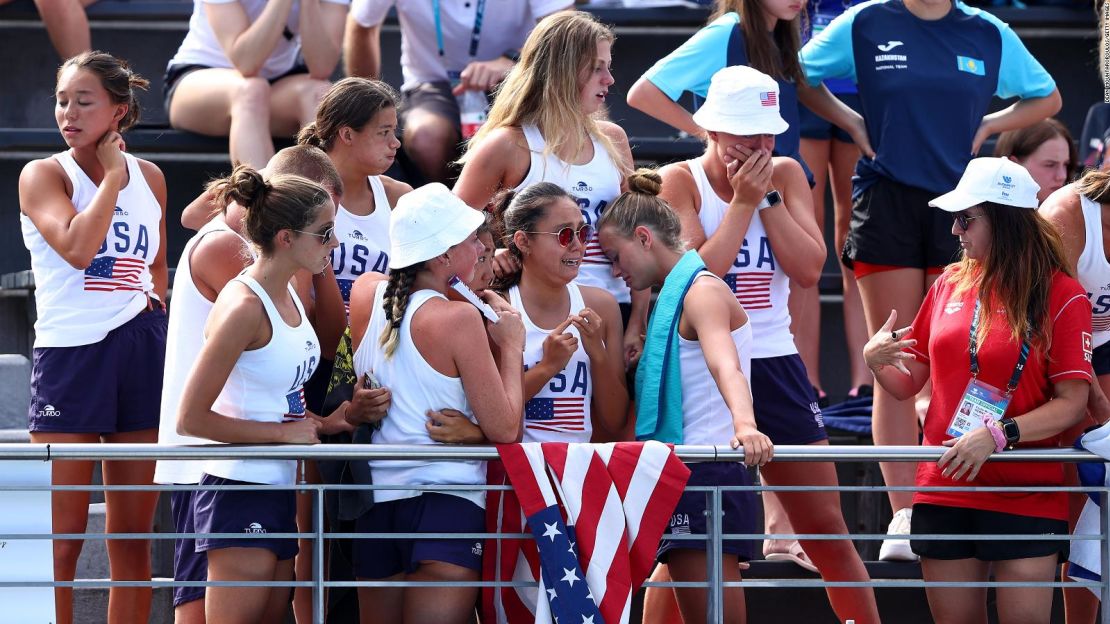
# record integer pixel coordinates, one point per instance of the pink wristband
(996, 433)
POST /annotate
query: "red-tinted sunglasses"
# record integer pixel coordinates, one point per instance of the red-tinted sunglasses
(567, 234)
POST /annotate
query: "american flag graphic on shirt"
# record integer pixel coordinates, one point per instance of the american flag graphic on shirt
(556, 414)
(297, 405)
(345, 286)
(593, 253)
(108, 273)
(752, 290)
(1100, 323)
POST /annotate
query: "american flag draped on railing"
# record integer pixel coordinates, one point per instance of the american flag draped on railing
(617, 500)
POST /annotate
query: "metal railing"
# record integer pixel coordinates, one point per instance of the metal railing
(714, 535)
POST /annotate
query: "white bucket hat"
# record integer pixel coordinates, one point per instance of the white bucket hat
(427, 222)
(741, 101)
(995, 180)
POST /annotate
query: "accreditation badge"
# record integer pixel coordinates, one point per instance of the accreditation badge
(980, 400)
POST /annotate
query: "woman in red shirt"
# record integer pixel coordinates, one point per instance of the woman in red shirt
(1010, 329)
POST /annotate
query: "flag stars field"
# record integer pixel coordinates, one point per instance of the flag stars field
(552, 531)
(569, 576)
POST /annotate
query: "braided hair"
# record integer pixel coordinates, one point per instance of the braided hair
(395, 300)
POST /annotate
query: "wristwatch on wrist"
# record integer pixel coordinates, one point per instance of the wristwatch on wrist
(512, 54)
(770, 200)
(1010, 429)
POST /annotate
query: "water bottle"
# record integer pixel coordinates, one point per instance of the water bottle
(472, 111)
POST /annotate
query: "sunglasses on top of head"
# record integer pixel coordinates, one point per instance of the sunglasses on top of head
(567, 234)
(325, 237)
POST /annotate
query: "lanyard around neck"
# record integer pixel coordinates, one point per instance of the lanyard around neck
(973, 351)
(475, 33)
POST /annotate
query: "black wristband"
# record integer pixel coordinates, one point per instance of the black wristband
(1010, 430)
(512, 54)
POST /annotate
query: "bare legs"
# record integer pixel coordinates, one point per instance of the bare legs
(249, 111)
(128, 512)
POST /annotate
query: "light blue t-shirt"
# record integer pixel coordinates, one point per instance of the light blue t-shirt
(721, 44)
(924, 85)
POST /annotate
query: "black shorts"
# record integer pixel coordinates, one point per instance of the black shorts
(433, 97)
(893, 225)
(942, 520)
(810, 126)
(1100, 360)
(174, 74)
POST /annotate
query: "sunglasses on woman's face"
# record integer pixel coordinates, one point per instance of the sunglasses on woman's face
(964, 220)
(325, 236)
(567, 234)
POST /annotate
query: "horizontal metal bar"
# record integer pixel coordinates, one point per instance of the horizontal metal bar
(804, 453)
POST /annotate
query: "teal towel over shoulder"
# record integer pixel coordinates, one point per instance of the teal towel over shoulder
(659, 376)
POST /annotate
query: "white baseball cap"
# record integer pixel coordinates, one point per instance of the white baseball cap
(995, 180)
(741, 101)
(427, 222)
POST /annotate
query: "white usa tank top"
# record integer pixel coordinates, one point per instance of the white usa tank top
(267, 385)
(416, 388)
(595, 184)
(755, 276)
(189, 310)
(1094, 271)
(363, 241)
(706, 418)
(560, 411)
(79, 307)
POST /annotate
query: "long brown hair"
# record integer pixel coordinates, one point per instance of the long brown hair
(774, 53)
(1016, 275)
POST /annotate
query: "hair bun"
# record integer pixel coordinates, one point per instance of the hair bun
(310, 135)
(246, 187)
(646, 181)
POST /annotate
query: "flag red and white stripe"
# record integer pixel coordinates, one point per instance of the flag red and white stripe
(617, 497)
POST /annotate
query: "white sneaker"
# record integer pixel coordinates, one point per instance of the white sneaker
(898, 549)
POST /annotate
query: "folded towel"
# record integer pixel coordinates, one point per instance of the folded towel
(659, 376)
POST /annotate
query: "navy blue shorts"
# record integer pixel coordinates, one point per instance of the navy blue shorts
(785, 406)
(111, 386)
(810, 126)
(188, 564)
(1100, 360)
(245, 511)
(739, 509)
(431, 512)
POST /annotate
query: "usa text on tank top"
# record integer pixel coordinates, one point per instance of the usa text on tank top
(363, 242)
(80, 306)
(1094, 271)
(755, 276)
(561, 410)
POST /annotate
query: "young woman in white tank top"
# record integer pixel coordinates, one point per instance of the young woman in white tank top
(758, 242)
(93, 220)
(433, 353)
(574, 375)
(544, 127)
(247, 386)
(356, 124)
(641, 235)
